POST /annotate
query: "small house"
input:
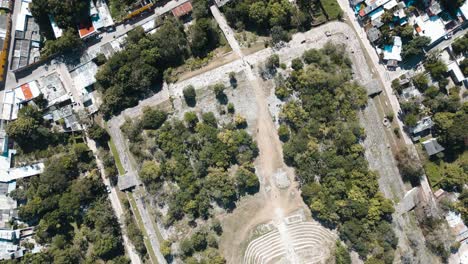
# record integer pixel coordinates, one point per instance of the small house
(432, 147)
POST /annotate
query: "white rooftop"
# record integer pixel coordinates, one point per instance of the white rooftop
(464, 10)
(24, 11)
(8, 174)
(12, 99)
(83, 76)
(377, 14)
(391, 4)
(432, 27)
(100, 15)
(395, 52)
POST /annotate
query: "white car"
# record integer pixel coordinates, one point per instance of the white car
(108, 189)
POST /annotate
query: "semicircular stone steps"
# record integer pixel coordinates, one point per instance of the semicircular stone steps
(309, 241)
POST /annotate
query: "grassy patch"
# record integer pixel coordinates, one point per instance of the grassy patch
(434, 173)
(115, 153)
(332, 9)
(140, 224)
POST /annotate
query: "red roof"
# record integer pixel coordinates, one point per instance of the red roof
(85, 29)
(182, 10)
(26, 91)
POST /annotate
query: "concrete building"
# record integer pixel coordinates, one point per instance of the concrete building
(430, 26)
(99, 19)
(13, 99)
(27, 38)
(374, 34)
(50, 86)
(392, 53)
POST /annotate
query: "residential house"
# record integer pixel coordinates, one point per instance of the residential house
(410, 93)
(392, 53)
(432, 147)
(422, 128)
(374, 34)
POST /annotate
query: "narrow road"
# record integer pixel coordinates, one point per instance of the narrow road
(116, 205)
(120, 144)
(383, 73)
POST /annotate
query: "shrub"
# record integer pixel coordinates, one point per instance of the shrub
(283, 132)
(297, 64)
(190, 95)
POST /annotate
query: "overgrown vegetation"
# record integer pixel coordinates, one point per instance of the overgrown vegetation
(32, 133)
(269, 17)
(67, 204)
(460, 45)
(324, 147)
(192, 165)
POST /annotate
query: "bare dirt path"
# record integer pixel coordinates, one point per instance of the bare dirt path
(278, 202)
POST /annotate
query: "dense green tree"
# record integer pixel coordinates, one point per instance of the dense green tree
(200, 9)
(204, 37)
(329, 162)
(283, 133)
(150, 174)
(278, 34)
(246, 181)
(297, 64)
(409, 166)
(137, 71)
(191, 119)
(436, 67)
(452, 129)
(106, 245)
(272, 62)
(415, 46)
(460, 45)
(464, 66)
(342, 255)
(98, 134)
(420, 81)
(69, 42)
(153, 118)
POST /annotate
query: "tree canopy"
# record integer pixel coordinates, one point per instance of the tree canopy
(324, 145)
